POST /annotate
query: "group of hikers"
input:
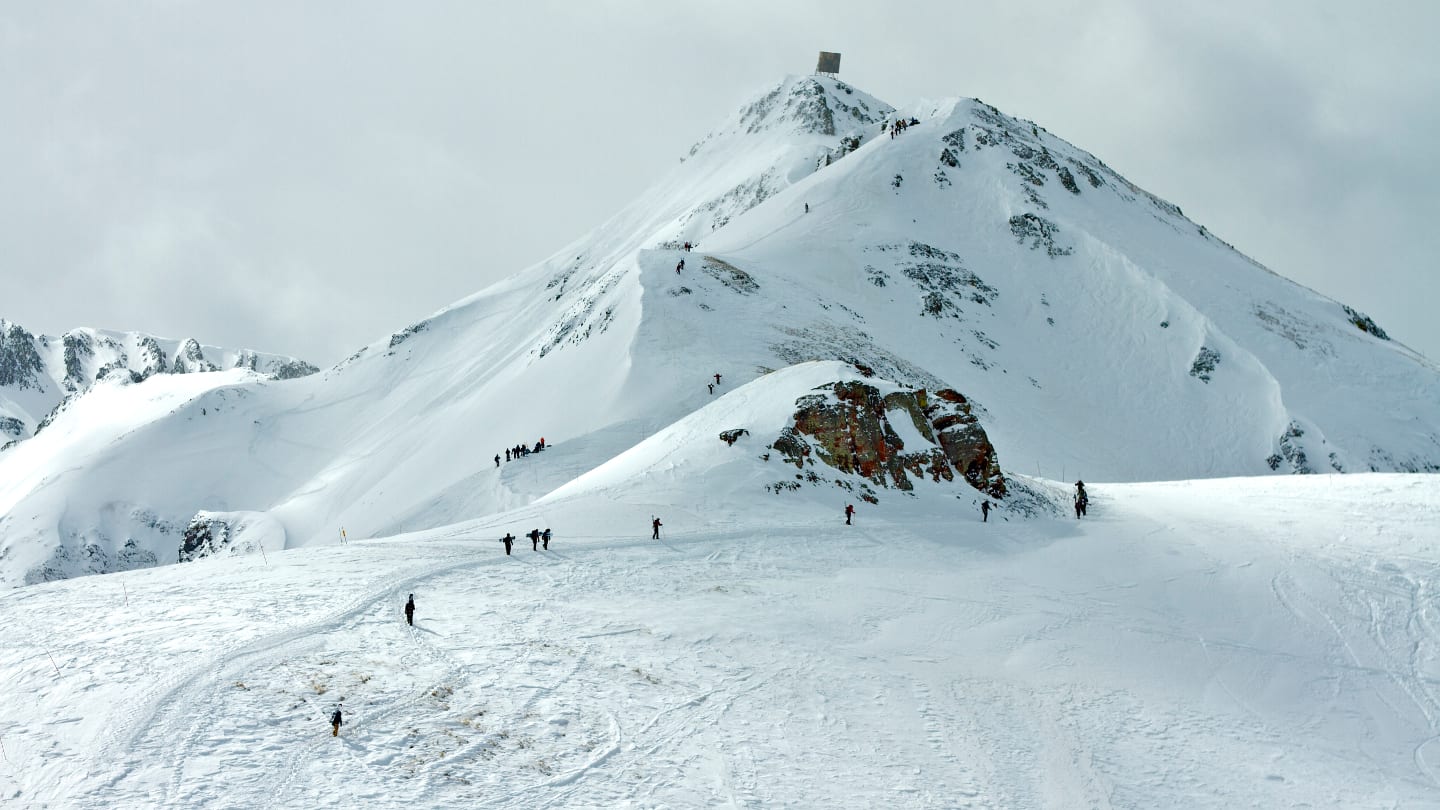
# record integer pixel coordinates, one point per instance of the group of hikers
(711, 386)
(899, 126)
(519, 450)
(540, 538)
(537, 537)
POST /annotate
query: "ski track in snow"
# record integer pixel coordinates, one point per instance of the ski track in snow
(1157, 654)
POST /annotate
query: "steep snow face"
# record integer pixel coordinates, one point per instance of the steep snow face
(37, 373)
(1094, 331)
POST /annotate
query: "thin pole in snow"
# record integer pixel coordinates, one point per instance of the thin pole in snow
(53, 664)
(2, 751)
(262, 554)
(127, 594)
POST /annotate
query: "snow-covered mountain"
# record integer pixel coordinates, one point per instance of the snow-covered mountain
(39, 372)
(1075, 325)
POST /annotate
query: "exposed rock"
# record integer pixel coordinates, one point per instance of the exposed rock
(78, 348)
(1039, 231)
(849, 429)
(729, 275)
(293, 369)
(151, 357)
(203, 537)
(1364, 323)
(733, 435)
(189, 358)
(1205, 363)
(12, 427)
(20, 364)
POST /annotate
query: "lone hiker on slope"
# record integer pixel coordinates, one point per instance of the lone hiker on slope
(410, 611)
(985, 512)
(335, 720)
(849, 510)
(1081, 499)
(655, 525)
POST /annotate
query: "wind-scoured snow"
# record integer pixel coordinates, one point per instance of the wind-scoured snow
(1237, 642)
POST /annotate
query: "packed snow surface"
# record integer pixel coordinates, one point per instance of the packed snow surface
(1240, 642)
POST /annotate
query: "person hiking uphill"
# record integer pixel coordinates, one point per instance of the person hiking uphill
(545, 539)
(534, 536)
(655, 525)
(717, 379)
(1082, 500)
(497, 459)
(849, 510)
(985, 512)
(507, 540)
(335, 720)
(410, 611)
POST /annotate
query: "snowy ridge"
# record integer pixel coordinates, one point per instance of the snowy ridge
(38, 372)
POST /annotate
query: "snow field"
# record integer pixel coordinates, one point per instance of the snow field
(1197, 644)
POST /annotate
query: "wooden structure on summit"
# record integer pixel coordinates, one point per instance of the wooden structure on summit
(829, 63)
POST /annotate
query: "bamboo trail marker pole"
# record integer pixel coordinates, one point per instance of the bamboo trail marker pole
(53, 664)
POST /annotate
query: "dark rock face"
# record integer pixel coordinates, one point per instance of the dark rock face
(849, 429)
(1364, 323)
(189, 358)
(78, 347)
(19, 362)
(293, 370)
(204, 536)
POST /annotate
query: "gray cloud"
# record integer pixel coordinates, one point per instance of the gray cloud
(305, 179)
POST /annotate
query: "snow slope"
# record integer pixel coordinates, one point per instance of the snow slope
(1232, 642)
(1097, 332)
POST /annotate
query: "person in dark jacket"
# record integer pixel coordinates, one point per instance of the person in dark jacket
(534, 536)
(985, 512)
(655, 525)
(410, 611)
(717, 379)
(545, 540)
(507, 454)
(497, 459)
(849, 510)
(507, 540)
(335, 720)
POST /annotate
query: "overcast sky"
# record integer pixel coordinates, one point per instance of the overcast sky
(304, 178)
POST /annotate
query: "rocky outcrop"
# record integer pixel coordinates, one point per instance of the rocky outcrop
(293, 369)
(205, 535)
(850, 428)
(189, 358)
(19, 362)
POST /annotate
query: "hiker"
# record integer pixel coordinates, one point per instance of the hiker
(1082, 500)
(534, 536)
(507, 455)
(711, 386)
(849, 510)
(985, 512)
(687, 247)
(335, 720)
(655, 525)
(807, 207)
(497, 459)
(545, 539)
(679, 267)
(717, 379)
(410, 611)
(507, 540)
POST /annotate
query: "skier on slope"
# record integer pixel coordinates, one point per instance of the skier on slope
(335, 720)
(849, 510)
(410, 611)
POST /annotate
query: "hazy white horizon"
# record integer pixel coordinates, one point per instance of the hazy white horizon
(307, 180)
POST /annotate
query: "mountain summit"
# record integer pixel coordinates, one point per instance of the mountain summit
(894, 312)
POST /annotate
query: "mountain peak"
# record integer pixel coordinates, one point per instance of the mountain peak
(821, 107)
